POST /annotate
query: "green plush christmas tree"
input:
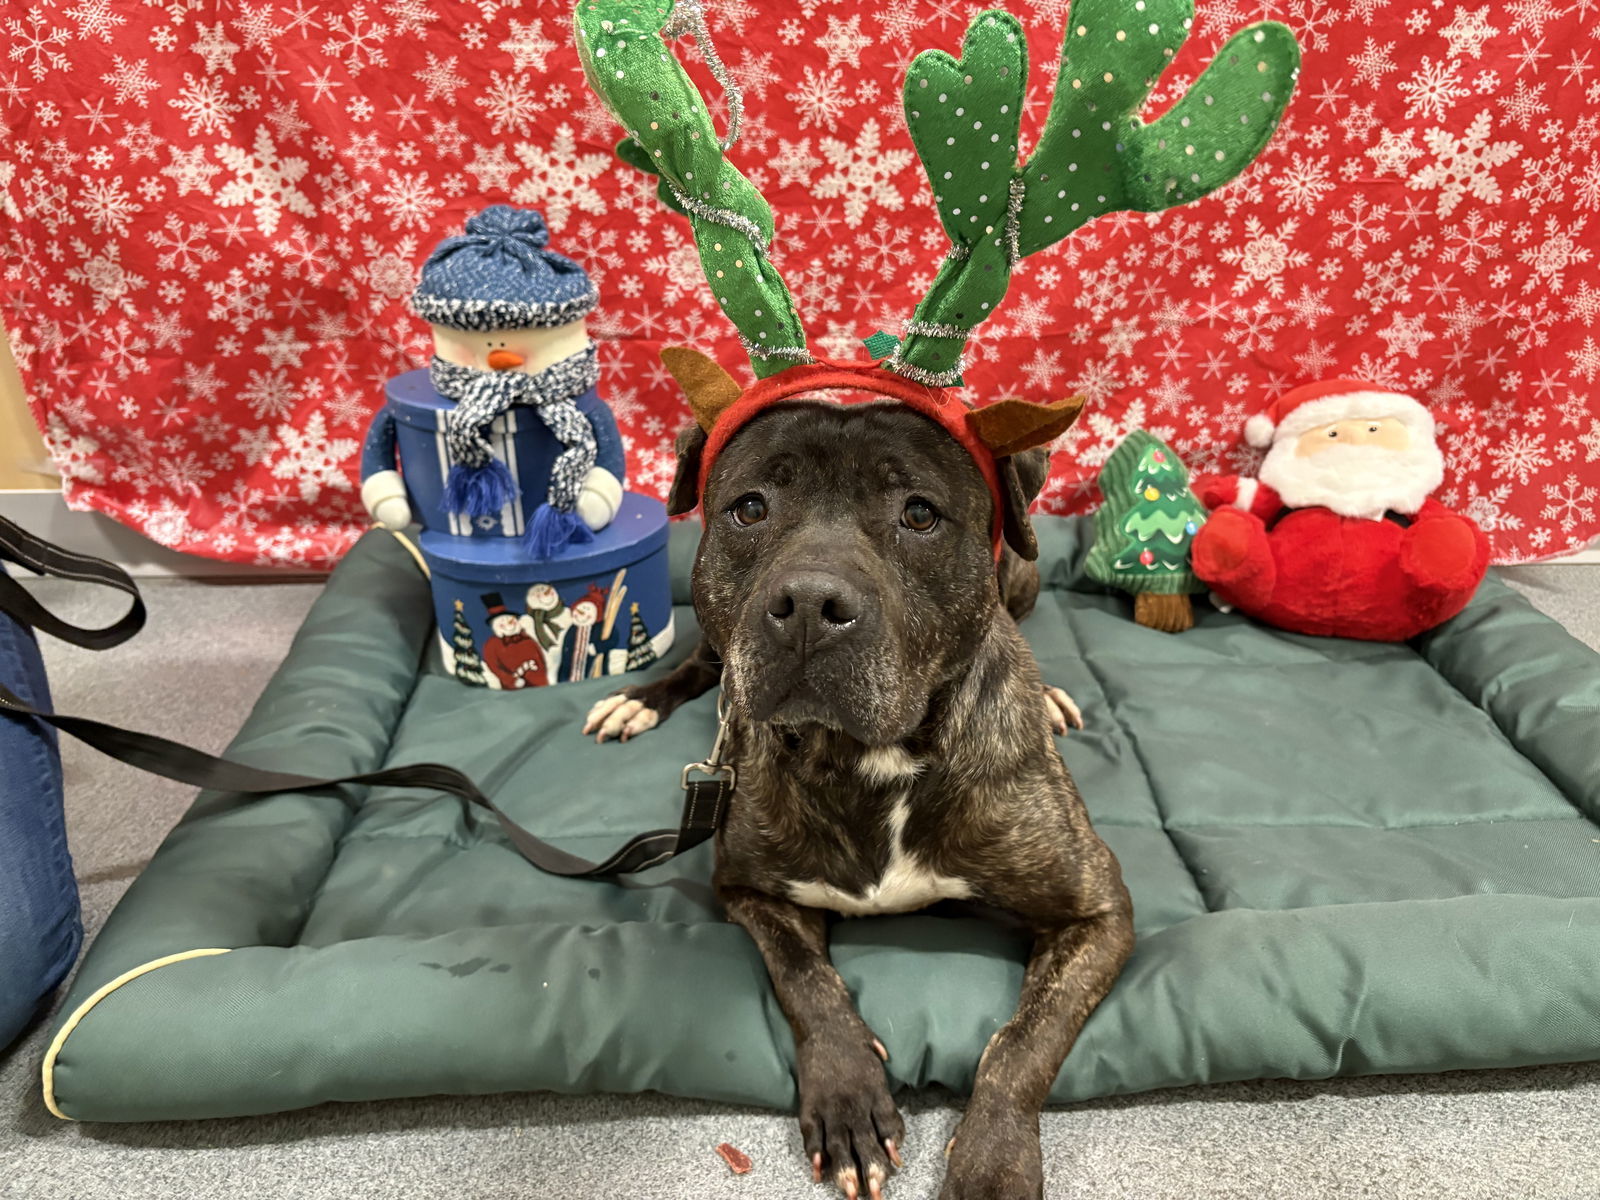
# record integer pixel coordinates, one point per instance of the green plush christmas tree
(468, 666)
(1143, 529)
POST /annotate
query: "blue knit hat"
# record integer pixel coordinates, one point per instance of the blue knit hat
(498, 275)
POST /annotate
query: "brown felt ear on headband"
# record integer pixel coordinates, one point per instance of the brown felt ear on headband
(1012, 426)
(710, 389)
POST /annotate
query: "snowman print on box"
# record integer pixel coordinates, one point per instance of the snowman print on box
(507, 316)
(552, 641)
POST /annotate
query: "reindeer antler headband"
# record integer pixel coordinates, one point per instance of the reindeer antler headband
(1095, 155)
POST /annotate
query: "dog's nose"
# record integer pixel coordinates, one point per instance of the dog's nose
(811, 608)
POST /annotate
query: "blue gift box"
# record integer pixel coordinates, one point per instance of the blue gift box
(519, 439)
(603, 608)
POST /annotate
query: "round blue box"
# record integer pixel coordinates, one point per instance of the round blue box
(507, 621)
(519, 439)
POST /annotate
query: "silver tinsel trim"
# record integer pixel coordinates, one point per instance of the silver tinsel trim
(935, 330)
(478, 316)
(925, 377)
(720, 216)
(756, 350)
(959, 254)
(1013, 210)
(689, 18)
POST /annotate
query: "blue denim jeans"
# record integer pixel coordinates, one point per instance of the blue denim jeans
(39, 929)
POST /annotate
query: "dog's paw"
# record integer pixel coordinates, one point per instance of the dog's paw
(620, 716)
(1063, 709)
(851, 1128)
(994, 1159)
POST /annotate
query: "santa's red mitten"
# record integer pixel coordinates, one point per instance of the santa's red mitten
(1440, 553)
(1215, 491)
(1231, 553)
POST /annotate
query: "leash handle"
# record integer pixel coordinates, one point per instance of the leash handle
(705, 801)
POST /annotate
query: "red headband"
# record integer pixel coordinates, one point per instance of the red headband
(935, 403)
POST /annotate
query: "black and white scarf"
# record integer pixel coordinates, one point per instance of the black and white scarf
(481, 396)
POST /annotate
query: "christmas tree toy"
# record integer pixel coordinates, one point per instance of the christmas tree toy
(506, 453)
(1143, 529)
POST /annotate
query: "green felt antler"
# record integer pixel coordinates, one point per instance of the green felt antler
(670, 134)
(1095, 155)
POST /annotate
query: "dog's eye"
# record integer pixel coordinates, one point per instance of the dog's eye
(919, 515)
(749, 510)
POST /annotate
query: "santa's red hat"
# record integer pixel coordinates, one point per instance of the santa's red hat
(1313, 404)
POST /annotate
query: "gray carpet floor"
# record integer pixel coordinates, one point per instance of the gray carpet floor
(193, 674)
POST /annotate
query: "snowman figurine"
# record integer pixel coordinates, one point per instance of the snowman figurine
(507, 316)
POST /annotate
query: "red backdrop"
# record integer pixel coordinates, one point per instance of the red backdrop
(214, 212)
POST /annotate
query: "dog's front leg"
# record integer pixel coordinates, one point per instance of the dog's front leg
(995, 1153)
(850, 1125)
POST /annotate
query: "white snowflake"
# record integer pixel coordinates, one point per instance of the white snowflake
(1560, 249)
(312, 460)
(1303, 183)
(794, 162)
(1463, 166)
(1043, 368)
(214, 48)
(821, 99)
(130, 79)
(36, 44)
(562, 178)
(440, 78)
(1519, 454)
(270, 394)
(491, 168)
(862, 173)
(1361, 226)
(265, 181)
(1468, 31)
(1432, 89)
(844, 41)
(72, 452)
(1091, 440)
(527, 45)
(107, 205)
(205, 104)
(409, 199)
(1393, 153)
(1374, 62)
(185, 248)
(1473, 241)
(1585, 359)
(509, 102)
(1524, 104)
(1405, 335)
(1570, 503)
(1265, 256)
(356, 41)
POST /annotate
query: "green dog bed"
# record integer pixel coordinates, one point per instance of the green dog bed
(1344, 858)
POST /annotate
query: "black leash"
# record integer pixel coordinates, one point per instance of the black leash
(704, 805)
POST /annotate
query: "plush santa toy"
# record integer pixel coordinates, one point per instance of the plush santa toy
(1337, 535)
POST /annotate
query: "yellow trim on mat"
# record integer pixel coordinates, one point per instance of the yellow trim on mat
(411, 548)
(48, 1072)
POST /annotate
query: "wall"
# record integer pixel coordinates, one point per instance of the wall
(22, 454)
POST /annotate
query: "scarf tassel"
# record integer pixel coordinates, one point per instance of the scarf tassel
(551, 531)
(480, 491)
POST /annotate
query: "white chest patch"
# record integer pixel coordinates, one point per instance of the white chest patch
(905, 885)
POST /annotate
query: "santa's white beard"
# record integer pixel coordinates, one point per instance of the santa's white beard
(1355, 481)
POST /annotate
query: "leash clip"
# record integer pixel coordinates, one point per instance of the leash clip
(712, 765)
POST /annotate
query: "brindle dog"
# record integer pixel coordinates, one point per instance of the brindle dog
(893, 751)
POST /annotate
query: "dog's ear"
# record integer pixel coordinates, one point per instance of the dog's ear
(685, 491)
(1022, 477)
(1009, 427)
(710, 389)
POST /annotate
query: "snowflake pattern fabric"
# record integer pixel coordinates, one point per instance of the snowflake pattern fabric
(214, 215)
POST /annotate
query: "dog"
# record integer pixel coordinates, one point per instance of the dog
(893, 744)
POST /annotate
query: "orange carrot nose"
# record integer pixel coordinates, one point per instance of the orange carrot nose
(504, 360)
